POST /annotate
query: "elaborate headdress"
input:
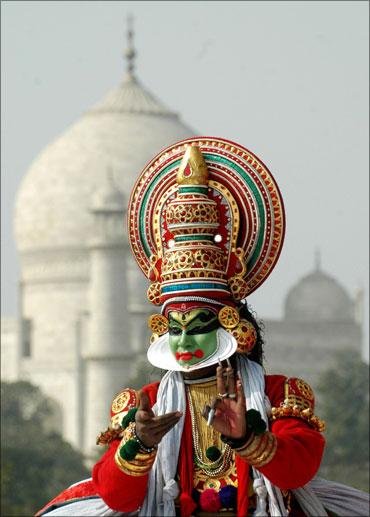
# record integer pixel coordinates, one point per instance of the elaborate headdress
(206, 225)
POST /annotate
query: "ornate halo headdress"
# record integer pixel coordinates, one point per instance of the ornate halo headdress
(206, 225)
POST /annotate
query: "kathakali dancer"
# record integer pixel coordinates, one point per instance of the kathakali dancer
(215, 435)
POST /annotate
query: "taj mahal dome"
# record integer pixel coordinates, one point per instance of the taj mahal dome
(82, 299)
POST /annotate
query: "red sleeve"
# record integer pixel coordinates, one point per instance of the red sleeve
(299, 446)
(298, 454)
(120, 491)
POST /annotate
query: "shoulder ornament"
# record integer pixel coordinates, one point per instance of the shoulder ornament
(299, 402)
(121, 405)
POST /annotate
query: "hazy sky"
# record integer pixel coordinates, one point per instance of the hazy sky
(288, 80)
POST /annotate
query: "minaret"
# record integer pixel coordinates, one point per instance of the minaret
(107, 354)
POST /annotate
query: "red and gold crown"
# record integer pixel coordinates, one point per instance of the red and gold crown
(206, 221)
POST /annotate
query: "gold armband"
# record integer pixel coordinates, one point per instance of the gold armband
(259, 450)
(141, 463)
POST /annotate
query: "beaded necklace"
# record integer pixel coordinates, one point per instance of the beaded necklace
(198, 395)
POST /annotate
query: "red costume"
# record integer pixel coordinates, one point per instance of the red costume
(296, 461)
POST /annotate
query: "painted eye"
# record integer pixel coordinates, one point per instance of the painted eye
(195, 330)
(175, 331)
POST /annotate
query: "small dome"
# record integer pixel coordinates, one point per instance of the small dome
(318, 297)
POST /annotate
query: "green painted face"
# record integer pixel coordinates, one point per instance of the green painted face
(193, 335)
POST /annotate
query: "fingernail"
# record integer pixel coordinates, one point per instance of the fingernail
(228, 362)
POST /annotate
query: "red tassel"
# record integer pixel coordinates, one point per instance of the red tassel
(209, 501)
(187, 505)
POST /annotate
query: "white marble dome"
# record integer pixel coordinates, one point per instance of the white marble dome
(122, 132)
(318, 297)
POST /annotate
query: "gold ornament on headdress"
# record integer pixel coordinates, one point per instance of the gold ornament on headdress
(245, 335)
(228, 317)
(158, 324)
(193, 168)
(242, 330)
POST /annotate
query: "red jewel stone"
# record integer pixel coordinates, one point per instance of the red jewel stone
(152, 275)
(187, 171)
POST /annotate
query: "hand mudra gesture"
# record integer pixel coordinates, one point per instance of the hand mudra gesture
(229, 406)
(151, 428)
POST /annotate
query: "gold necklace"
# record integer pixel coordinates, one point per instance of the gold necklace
(203, 436)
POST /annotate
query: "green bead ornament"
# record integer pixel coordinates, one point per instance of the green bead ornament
(213, 453)
(130, 417)
(255, 422)
(129, 450)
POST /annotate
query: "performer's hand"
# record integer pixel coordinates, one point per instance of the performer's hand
(150, 428)
(230, 413)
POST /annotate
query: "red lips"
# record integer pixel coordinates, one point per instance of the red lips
(187, 356)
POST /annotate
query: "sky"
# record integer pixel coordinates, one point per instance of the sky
(288, 80)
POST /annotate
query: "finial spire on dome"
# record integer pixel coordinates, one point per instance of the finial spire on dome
(130, 51)
(317, 259)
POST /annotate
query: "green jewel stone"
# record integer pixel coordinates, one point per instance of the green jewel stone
(213, 453)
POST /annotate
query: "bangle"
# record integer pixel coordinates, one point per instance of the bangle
(130, 468)
(236, 443)
(143, 447)
(259, 450)
(129, 458)
(132, 445)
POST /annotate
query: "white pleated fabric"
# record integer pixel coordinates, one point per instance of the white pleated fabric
(341, 499)
(87, 508)
(253, 381)
(162, 487)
